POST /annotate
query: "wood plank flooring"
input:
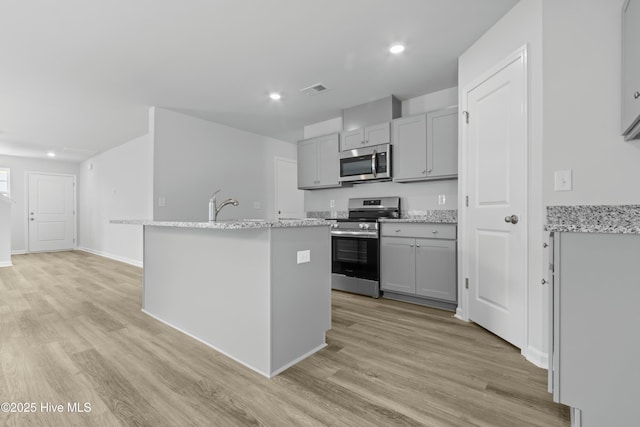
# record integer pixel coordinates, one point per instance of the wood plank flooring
(71, 330)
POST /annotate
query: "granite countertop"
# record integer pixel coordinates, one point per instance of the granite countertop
(615, 219)
(232, 224)
(427, 217)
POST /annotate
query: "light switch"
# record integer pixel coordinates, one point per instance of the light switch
(562, 181)
(162, 201)
(304, 256)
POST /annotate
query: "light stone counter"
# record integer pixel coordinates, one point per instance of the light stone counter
(449, 216)
(230, 224)
(615, 219)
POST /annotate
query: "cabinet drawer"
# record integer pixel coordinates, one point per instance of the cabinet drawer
(420, 230)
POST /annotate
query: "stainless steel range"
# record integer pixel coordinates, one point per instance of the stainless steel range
(355, 245)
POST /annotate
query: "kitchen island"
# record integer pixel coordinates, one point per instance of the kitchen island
(257, 291)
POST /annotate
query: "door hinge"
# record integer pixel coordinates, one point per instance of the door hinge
(466, 201)
(466, 283)
(466, 116)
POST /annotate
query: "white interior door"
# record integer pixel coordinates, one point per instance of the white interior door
(51, 212)
(496, 147)
(289, 200)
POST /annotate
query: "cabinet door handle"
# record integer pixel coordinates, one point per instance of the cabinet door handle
(417, 246)
(636, 95)
(424, 171)
(410, 246)
(434, 231)
(397, 230)
(428, 170)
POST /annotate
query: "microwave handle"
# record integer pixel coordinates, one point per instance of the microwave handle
(373, 163)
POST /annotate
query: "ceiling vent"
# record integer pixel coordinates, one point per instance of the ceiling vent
(314, 89)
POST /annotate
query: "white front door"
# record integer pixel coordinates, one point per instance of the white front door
(51, 215)
(289, 200)
(496, 147)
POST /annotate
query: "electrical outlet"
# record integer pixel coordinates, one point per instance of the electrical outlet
(162, 201)
(256, 205)
(304, 256)
(562, 181)
(332, 203)
(442, 199)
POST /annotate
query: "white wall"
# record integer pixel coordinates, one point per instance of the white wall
(195, 157)
(521, 26)
(415, 195)
(117, 184)
(582, 79)
(18, 166)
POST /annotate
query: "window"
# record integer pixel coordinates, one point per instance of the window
(4, 182)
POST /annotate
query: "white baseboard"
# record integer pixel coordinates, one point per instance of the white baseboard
(111, 256)
(20, 252)
(537, 357)
(460, 315)
(6, 264)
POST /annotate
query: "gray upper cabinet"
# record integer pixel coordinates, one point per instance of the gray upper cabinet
(364, 137)
(318, 162)
(425, 146)
(410, 148)
(631, 69)
(442, 143)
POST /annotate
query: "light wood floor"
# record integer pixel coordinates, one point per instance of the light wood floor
(71, 330)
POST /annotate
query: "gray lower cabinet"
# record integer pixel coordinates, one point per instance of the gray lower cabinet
(398, 264)
(436, 269)
(418, 263)
(594, 347)
(318, 162)
(631, 69)
(425, 146)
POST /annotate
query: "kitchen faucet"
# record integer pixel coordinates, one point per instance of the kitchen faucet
(214, 209)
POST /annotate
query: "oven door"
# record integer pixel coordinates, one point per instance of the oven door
(355, 256)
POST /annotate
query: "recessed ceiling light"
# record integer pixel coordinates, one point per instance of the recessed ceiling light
(51, 154)
(396, 48)
(275, 96)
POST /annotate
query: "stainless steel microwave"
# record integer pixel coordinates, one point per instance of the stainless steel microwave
(366, 164)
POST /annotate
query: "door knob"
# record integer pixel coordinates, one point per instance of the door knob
(513, 219)
(32, 219)
(543, 281)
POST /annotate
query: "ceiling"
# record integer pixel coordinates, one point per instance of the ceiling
(77, 77)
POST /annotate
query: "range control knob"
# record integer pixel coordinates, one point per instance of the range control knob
(363, 226)
(334, 225)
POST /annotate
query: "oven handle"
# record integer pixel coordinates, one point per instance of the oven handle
(363, 234)
(373, 163)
